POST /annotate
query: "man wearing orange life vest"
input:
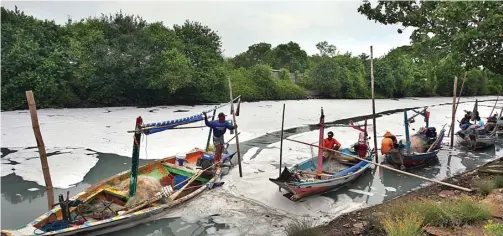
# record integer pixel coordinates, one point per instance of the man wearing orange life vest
(388, 143)
(331, 143)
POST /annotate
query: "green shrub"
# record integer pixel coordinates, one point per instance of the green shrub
(406, 225)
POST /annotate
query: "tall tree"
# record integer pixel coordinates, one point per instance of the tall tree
(290, 56)
(326, 49)
(470, 31)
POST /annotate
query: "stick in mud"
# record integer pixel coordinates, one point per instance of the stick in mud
(41, 148)
(373, 102)
(386, 167)
(234, 121)
(281, 145)
(453, 109)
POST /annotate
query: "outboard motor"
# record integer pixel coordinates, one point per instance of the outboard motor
(205, 161)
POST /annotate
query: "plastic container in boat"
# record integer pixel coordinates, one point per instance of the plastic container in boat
(180, 160)
(178, 179)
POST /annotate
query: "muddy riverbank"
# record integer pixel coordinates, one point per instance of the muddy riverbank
(367, 221)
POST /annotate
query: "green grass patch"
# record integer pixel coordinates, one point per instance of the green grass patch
(485, 187)
(407, 224)
(302, 228)
(498, 181)
(439, 214)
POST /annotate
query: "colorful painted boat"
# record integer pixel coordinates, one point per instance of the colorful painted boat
(433, 143)
(316, 176)
(166, 171)
(134, 196)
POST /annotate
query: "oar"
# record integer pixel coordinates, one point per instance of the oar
(386, 167)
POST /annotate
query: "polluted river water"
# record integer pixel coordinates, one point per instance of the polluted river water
(88, 145)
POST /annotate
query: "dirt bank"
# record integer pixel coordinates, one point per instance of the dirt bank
(365, 221)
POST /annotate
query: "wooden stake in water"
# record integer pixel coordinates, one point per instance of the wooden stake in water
(373, 101)
(453, 109)
(234, 121)
(281, 142)
(41, 148)
(459, 97)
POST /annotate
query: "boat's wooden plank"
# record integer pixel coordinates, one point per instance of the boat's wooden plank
(184, 172)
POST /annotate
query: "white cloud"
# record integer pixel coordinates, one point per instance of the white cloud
(243, 23)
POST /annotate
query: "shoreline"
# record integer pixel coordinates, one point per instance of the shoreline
(243, 101)
(363, 221)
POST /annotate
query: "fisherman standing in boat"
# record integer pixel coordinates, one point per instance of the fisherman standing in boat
(331, 143)
(219, 127)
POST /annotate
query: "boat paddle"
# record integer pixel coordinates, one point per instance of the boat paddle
(386, 167)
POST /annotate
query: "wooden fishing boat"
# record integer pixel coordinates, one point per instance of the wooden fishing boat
(476, 138)
(418, 157)
(134, 196)
(315, 176)
(113, 199)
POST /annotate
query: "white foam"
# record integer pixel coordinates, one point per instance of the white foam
(33, 189)
(67, 167)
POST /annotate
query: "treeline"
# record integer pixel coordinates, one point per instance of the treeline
(121, 59)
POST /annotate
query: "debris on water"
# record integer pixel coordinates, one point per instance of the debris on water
(33, 189)
(361, 192)
(390, 189)
(181, 111)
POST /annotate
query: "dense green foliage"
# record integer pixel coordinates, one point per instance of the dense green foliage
(123, 60)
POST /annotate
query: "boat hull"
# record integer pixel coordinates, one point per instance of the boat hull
(299, 190)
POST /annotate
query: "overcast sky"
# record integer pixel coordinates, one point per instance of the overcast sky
(243, 23)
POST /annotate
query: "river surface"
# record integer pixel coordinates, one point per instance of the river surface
(87, 145)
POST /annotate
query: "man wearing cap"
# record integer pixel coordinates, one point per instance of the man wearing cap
(219, 127)
(330, 143)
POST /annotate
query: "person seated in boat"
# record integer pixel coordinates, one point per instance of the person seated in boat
(331, 143)
(493, 118)
(396, 157)
(479, 123)
(465, 122)
(219, 127)
(388, 142)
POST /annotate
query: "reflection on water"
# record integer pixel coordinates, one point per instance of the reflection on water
(27, 199)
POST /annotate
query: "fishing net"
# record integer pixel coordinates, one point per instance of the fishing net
(146, 188)
(417, 144)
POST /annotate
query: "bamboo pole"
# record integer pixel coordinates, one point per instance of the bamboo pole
(386, 167)
(41, 148)
(135, 159)
(209, 133)
(453, 109)
(457, 103)
(491, 113)
(281, 142)
(373, 101)
(234, 121)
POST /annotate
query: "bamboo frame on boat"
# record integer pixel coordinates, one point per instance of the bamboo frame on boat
(235, 124)
(386, 167)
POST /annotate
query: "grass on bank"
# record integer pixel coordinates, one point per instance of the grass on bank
(409, 218)
(485, 187)
(302, 228)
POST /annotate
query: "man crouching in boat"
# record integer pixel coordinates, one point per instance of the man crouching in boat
(331, 143)
(219, 127)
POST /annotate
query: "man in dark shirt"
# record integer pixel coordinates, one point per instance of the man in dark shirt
(219, 127)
